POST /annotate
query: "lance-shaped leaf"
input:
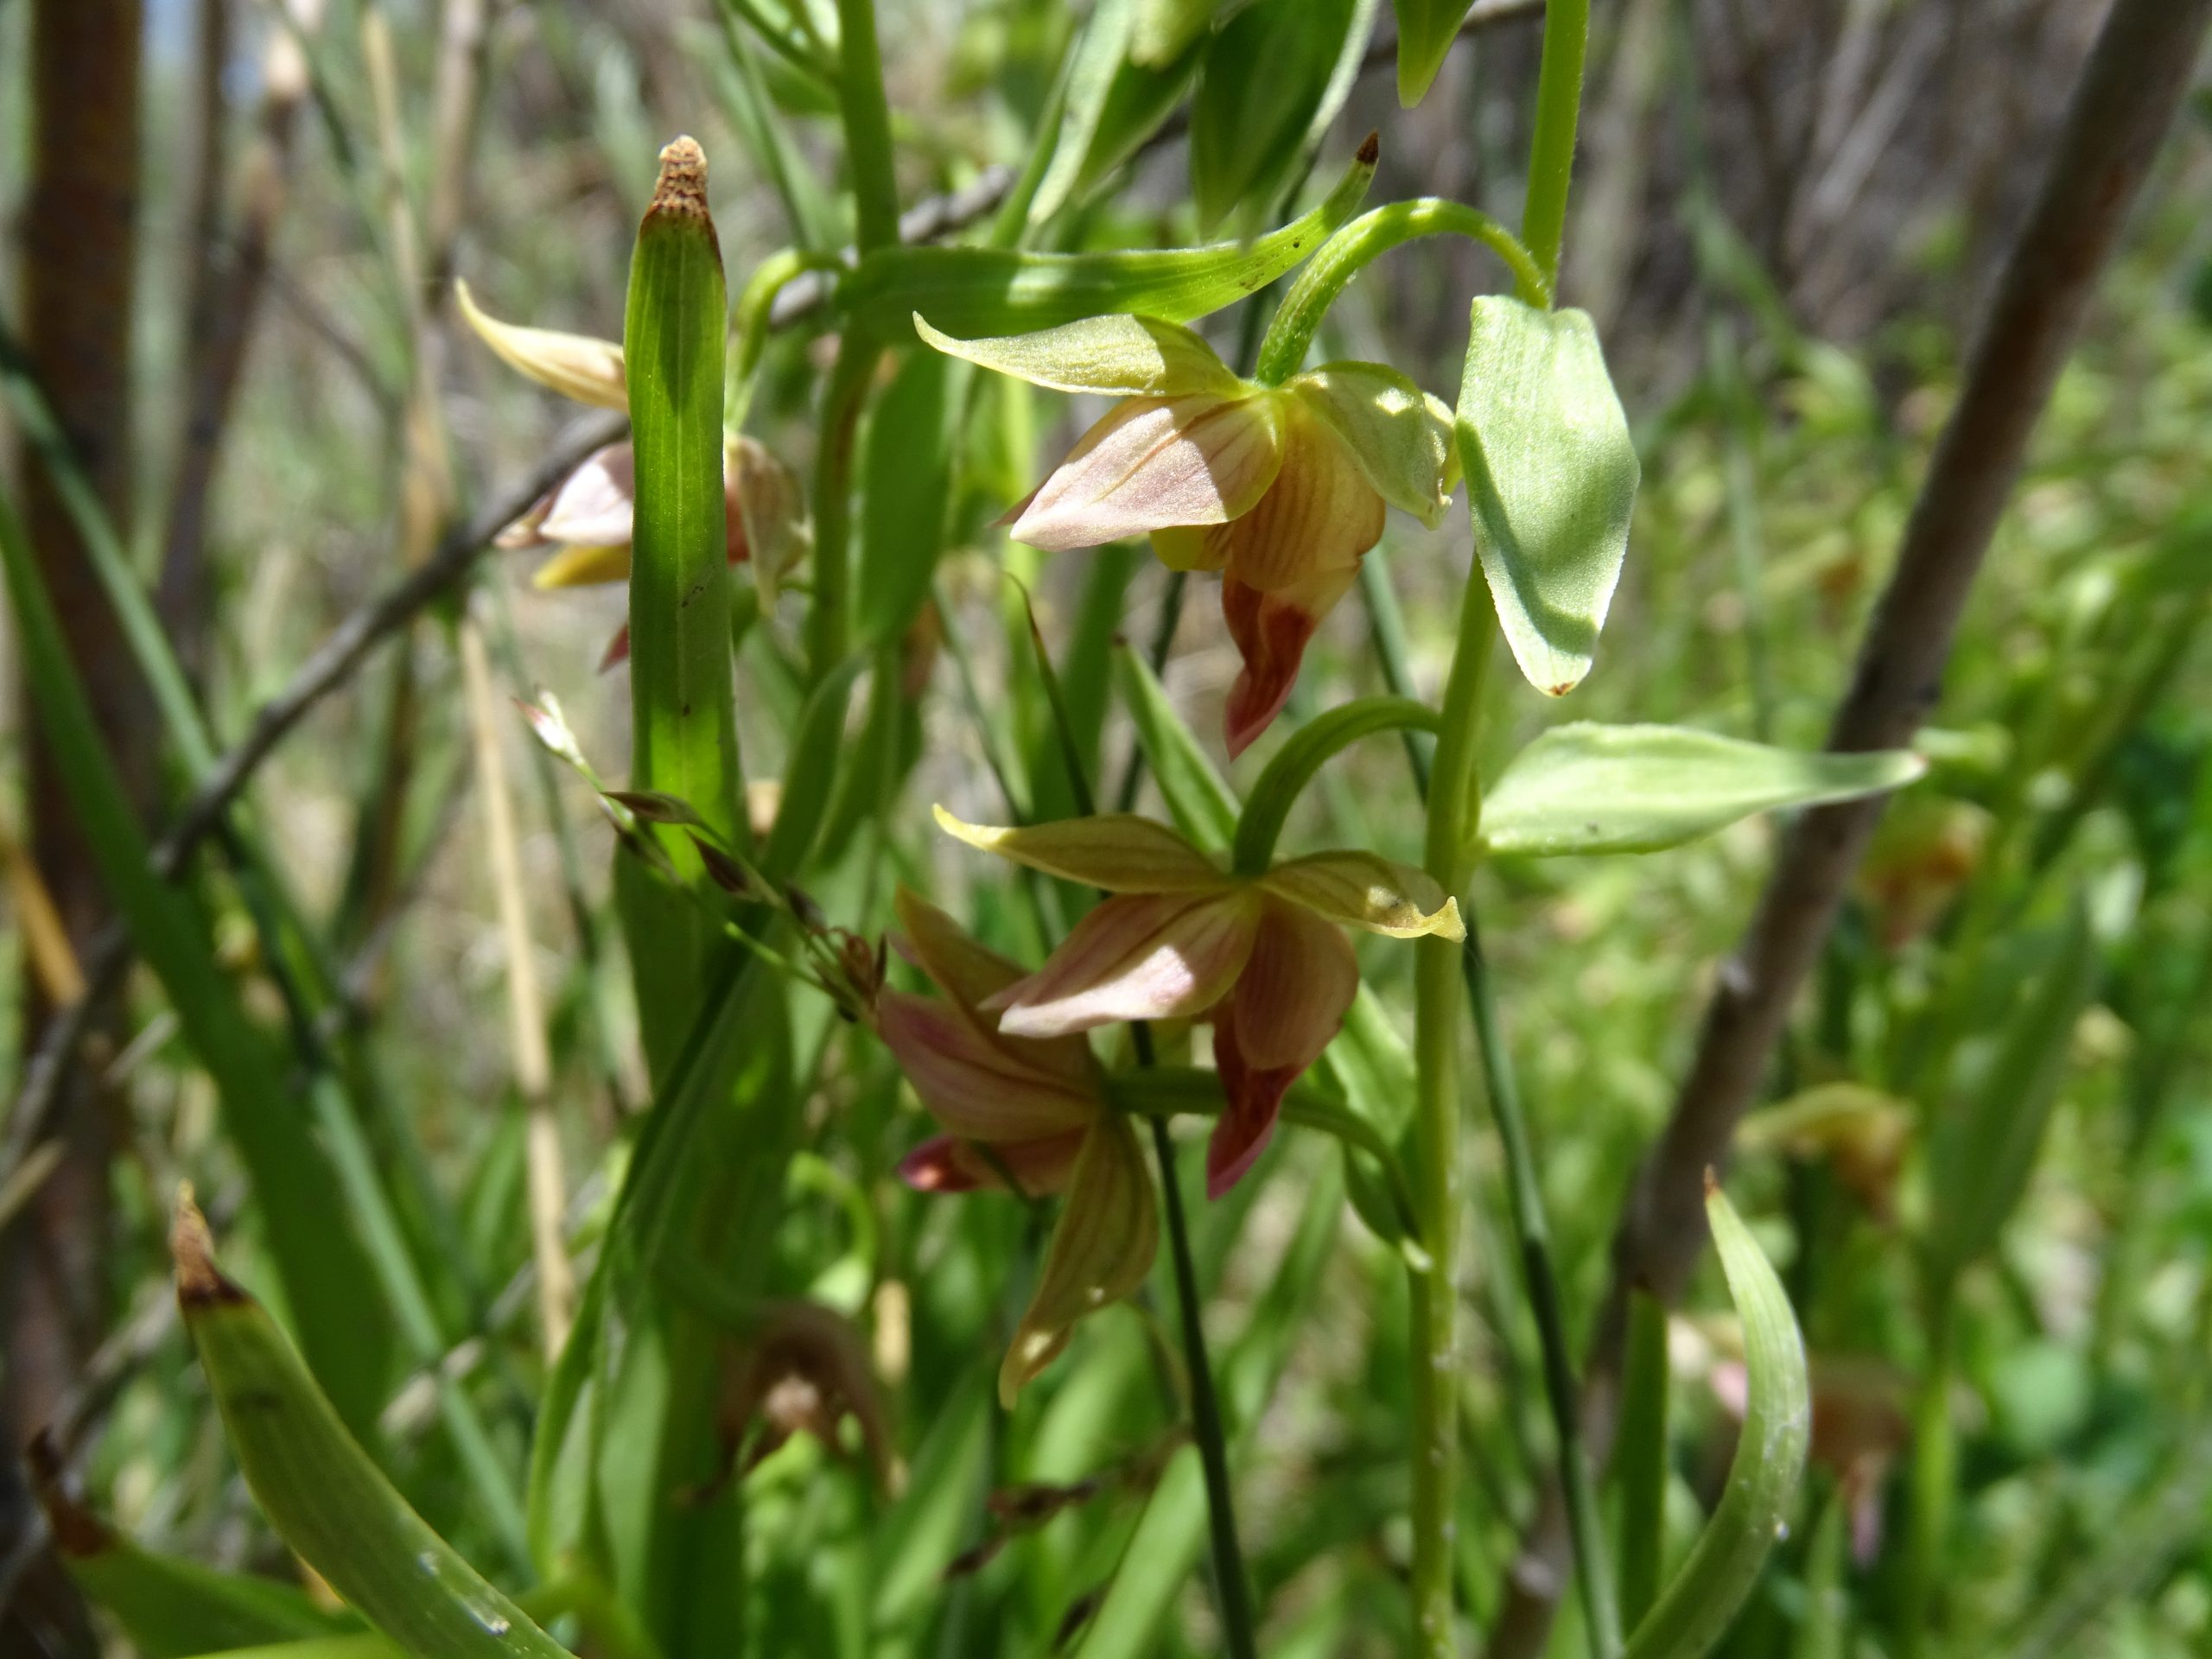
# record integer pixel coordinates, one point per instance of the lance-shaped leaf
(682, 719)
(1587, 788)
(1696, 1608)
(1261, 79)
(1116, 851)
(321, 1491)
(1551, 480)
(1127, 75)
(970, 292)
(1425, 32)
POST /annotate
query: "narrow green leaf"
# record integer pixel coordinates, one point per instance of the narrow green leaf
(809, 773)
(1426, 28)
(1262, 78)
(906, 488)
(970, 292)
(1202, 804)
(168, 1606)
(318, 1489)
(683, 723)
(1551, 482)
(1124, 83)
(1696, 1608)
(1642, 1456)
(329, 1291)
(1164, 27)
(1981, 1156)
(1293, 767)
(1587, 788)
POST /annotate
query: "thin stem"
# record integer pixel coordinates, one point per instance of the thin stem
(1551, 150)
(867, 125)
(1452, 802)
(829, 621)
(1525, 1196)
(1935, 1471)
(1205, 1408)
(1374, 233)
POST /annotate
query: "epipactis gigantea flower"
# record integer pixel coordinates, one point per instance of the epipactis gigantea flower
(1282, 489)
(1263, 957)
(1029, 1109)
(585, 520)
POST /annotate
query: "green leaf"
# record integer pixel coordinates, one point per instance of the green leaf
(1551, 482)
(906, 484)
(1426, 28)
(170, 1607)
(1203, 805)
(1262, 78)
(1696, 1607)
(321, 1491)
(1292, 767)
(1641, 1459)
(329, 1290)
(1163, 28)
(1122, 85)
(1587, 788)
(809, 773)
(683, 718)
(1120, 355)
(971, 292)
(1981, 1154)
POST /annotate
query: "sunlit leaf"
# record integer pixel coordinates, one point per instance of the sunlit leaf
(1588, 788)
(1551, 482)
(1263, 76)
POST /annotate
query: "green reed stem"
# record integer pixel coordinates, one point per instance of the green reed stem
(1453, 803)
(1551, 150)
(828, 616)
(867, 125)
(1374, 233)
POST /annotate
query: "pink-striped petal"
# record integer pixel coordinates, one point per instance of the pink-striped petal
(1136, 956)
(1290, 1000)
(1154, 462)
(1254, 1100)
(1321, 514)
(974, 1084)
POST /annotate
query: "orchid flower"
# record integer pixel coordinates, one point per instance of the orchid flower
(1263, 957)
(1025, 1110)
(1280, 489)
(585, 518)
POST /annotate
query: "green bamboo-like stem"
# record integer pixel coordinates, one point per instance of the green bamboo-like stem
(1551, 149)
(1532, 1230)
(1358, 245)
(1933, 1477)
(1453, 803)
(829, 617)
(867, 125)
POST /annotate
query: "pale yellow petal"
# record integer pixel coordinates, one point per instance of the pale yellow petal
(1117, 851)
(1122, 356)
(1361, 890)
(576, 366)
(1154, 462)
(583, 567)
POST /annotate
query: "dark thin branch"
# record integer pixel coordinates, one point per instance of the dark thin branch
(2134, 82)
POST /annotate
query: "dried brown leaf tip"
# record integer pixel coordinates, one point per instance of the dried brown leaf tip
(682, 192)
(77, 1531)
(1371, 149)
(198, 1281)
(1712, 1182)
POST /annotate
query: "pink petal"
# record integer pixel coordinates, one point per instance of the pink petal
(944, 1163)
(978, 1087)
(1271, 630)
(1248, 1122)
(1291, 998)
(1154, 462)
(594, 504)
(1139, 956)
(1320, 514)
(967, 972)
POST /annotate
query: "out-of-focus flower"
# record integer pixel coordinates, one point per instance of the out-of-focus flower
(1023, 1110)
(1860, 1133)
(804, 1368)
(1280, 489)
(585, 520)
(1263, 956)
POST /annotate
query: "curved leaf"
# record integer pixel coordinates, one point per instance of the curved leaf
(1696, 1608)
(1262, 77)
(1587, 788)
(1551, 480)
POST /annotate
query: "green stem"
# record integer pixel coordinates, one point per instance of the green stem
(1235, 1593)
(1642, 1458)
(1526, 1197)
(868, 126)
(1452, 803)
(1551, 150)
(828, 618)
(1344, 255)
(1934, 1458)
